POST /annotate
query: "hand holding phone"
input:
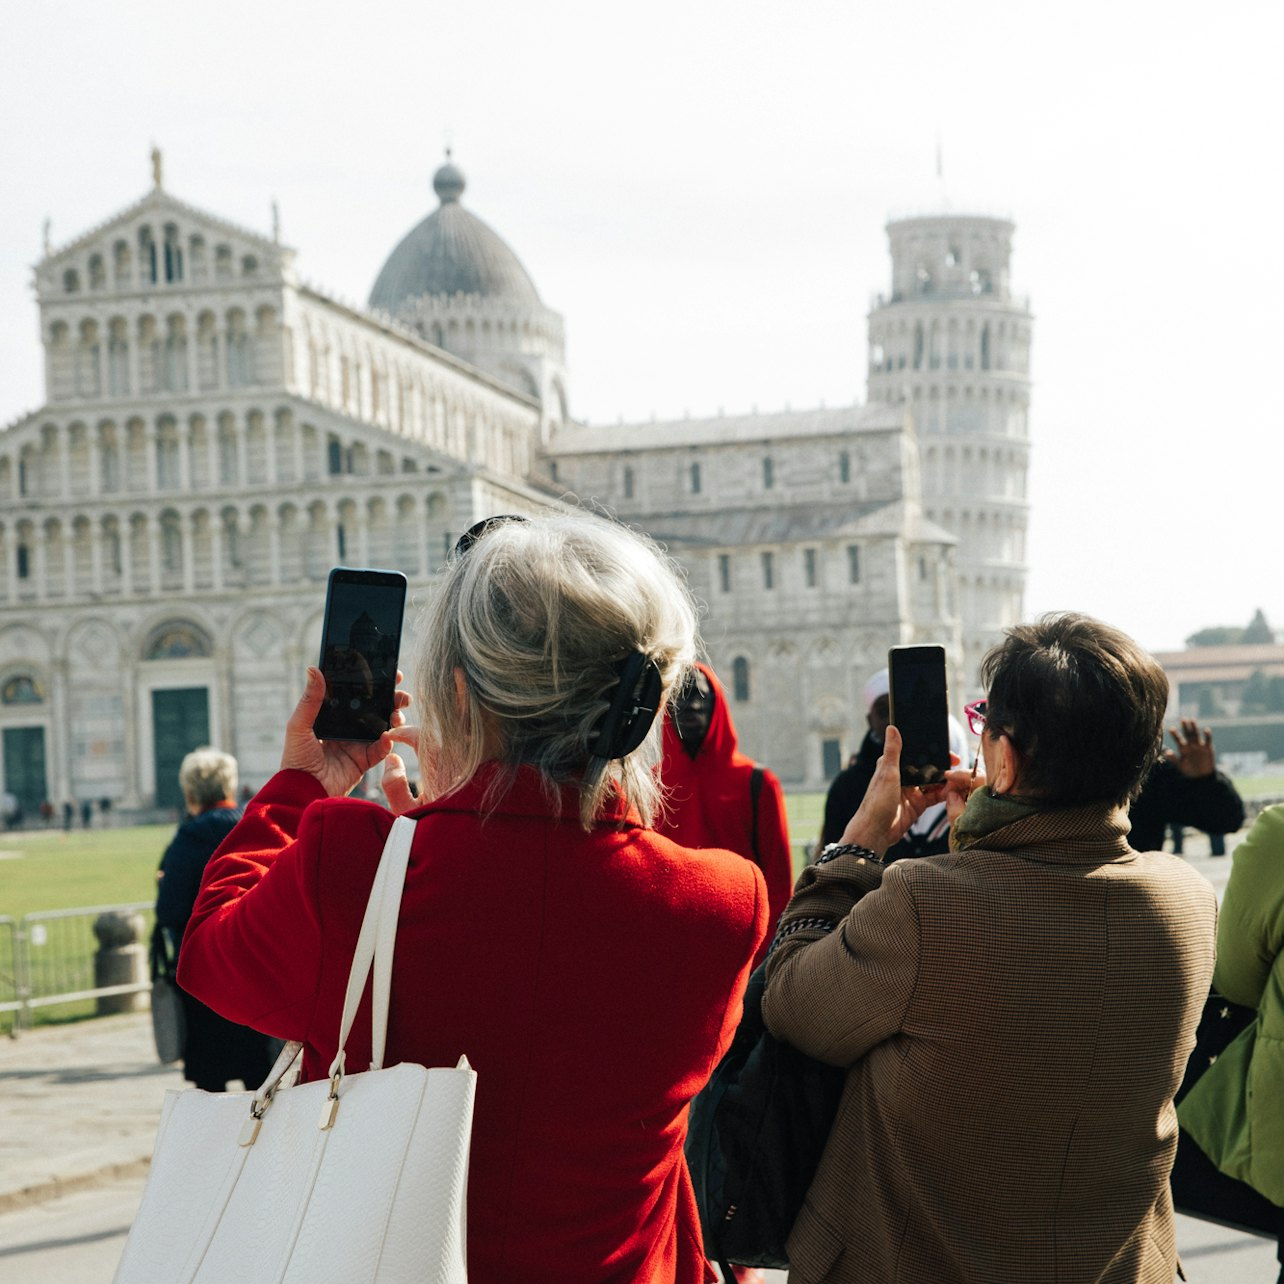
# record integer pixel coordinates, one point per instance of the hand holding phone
(919, 706)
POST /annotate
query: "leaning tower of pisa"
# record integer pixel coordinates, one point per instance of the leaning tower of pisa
(953, 343)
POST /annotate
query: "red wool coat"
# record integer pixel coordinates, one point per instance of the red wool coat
(593, 980)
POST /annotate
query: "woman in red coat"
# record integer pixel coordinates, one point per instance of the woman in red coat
(591, 970)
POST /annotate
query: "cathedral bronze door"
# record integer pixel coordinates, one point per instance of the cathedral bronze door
(180, 723)
(24, 767)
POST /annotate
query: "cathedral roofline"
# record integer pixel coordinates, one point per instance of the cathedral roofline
(390, 326)
(159, 198)
(725, 429)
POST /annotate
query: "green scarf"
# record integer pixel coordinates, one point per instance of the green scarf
(986, 812)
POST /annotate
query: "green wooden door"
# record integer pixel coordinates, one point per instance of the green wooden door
(180, 723)
(24, 767)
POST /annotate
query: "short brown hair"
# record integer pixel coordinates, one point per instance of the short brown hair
(1083, 705)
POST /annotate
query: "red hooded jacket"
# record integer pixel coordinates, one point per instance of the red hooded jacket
(710, 802)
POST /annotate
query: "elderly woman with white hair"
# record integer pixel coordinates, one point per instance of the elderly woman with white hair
(591, 970)
(215, 1051)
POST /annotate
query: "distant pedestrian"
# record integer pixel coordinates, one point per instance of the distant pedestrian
(1184, 788)
(216, 1050)
(68, 814)
(86, 813)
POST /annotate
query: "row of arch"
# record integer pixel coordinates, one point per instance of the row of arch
(166, 453)
(979, 471)
(218, 547)
(148, 354)
(949, 345)
(160, 255)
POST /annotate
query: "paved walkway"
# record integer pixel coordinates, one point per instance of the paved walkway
(79, 1104)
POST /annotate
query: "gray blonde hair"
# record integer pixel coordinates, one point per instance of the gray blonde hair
(537, 615)
(207, 777)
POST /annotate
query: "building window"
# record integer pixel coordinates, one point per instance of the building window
(853, 564)
(334, 457)
(831, 758)
(22, 690)
(922, 568)
(809, 567)
(172, 547)
(844, 467)
(768, 473)
(628, 483)
(173, 255)
(695, 479)
(724, 572)
(740, 679)
(343, 542)
(769, 570)
(24, 562)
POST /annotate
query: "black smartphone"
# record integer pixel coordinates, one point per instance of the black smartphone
(919, 700)
(360, 640)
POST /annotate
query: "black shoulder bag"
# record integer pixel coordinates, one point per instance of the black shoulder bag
(755, 1135)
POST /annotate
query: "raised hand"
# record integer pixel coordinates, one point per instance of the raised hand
(337, 765)
(1194, 756)
(888, 810)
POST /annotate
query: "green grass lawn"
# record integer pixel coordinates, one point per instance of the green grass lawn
(54, 869)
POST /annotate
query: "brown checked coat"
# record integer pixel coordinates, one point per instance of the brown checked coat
(1016, 1019)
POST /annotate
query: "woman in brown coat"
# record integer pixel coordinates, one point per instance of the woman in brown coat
(1015, 1015)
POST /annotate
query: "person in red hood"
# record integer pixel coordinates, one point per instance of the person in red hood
(718, 797)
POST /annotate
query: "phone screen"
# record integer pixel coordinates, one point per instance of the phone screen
(919, 701)
(360, 640)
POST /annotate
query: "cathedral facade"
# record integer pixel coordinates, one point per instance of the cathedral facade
(217, 435)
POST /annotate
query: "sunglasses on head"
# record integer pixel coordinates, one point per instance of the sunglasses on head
(478, 529)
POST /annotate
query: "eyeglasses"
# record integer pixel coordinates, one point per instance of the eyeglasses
(975, 713)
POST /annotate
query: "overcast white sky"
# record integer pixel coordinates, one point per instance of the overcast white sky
(701, 189)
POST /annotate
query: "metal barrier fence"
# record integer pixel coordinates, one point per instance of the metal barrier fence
(73, 955)
(9, 1001)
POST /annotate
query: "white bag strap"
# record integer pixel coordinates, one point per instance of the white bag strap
(375, 945)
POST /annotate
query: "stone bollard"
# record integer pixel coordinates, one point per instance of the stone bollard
(121, 959)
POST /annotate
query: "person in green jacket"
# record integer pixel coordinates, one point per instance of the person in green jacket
(1234, 1110)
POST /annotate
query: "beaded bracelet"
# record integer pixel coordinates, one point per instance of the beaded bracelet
(834, 850)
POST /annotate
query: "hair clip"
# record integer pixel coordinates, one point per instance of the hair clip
(634, 704)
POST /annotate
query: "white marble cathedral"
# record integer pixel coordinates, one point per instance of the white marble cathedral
(217, 435)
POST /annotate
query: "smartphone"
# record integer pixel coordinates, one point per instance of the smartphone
(360, 640)
(919, 700)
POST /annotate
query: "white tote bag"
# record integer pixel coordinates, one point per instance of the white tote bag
(361, 1177)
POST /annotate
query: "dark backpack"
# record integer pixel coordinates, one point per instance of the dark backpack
(755, 1135)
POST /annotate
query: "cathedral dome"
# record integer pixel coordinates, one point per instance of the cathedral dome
(452, 252)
